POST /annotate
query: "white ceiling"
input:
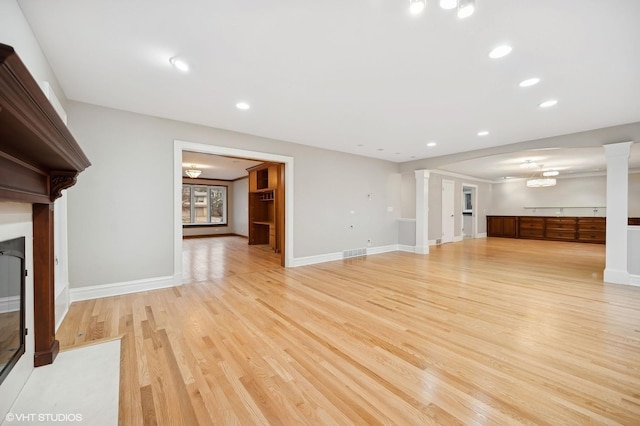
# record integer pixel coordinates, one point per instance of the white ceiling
(568, 161)
(358, 76)
(216, 166)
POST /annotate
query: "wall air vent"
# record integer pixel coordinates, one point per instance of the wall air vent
(354, 253)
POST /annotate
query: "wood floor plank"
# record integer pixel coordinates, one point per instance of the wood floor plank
(486, 331)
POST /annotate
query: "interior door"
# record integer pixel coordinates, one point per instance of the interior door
(448, 218)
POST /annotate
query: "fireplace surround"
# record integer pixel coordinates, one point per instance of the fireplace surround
(39, 158)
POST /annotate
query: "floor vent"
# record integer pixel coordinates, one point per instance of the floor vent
(354, 253)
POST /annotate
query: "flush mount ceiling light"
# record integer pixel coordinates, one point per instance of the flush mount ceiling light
(448, 4)
(416, 6)
(243, 105)
(483, 133)
(180, 64)
(466, 8)
(193, 172)
(431, 144)
(500, 51)
(550, 173)
(549, 103)
(529, 82)
(528, 165)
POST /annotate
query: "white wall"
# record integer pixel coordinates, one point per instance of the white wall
(634, 195)
(240, 203)
(435, 204)
(15, 221)
(510, 198)
(16, 32)
(121, 222)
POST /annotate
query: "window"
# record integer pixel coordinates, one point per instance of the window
(204, 205)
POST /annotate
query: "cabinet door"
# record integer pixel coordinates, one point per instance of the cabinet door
(510, 227)
(494, 226)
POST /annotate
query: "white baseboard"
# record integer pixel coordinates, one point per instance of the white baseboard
(9, 304)
(312, 260)
(458, 238)
(62, 305)
(616, 276)
(432, 242)
(116, 289)
(481, 235)
(634, 280)
(409, 249)
(382, 249)
(330, 257)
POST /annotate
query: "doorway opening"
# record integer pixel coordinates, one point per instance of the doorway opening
(286, 253)
(469, 211)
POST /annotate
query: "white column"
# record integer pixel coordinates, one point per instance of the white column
(422, 211)
(616, 268)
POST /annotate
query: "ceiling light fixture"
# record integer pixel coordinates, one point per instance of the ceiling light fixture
(431, 144)
(466, 8)
(529, 82)
(483, 133)
(541, 183)
(448, 4)
(243, 105)
(193, 172)
(500, 51)
(527, 165)
(416, 6)
(549, 103)
(180, 64)
(550, 173)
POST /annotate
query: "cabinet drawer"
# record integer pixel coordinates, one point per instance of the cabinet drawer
(590, 224)
(531, 223)
(531, 233)
(561, 225)
(561, 234)
(592, 236)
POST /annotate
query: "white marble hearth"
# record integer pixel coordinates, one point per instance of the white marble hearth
(80, 387)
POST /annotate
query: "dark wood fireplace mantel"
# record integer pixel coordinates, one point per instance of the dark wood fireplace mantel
(38, 159)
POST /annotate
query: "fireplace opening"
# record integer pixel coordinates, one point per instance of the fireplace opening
(12, 316)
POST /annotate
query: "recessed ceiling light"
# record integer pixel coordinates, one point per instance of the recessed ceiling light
(500, 51)
(448, 4)
(483, 133)
(380, 149)
(243, 105)
(550, 173)
(466, 8)
(360, 144)
(549, 103)
(416, 6)
(529, 82)
(397, 153)
(431, 144)
(180, 64)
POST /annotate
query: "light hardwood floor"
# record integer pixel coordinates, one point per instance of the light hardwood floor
(488, 331)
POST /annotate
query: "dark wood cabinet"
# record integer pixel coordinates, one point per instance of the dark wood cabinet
(592, 229)
(266, 206)
(580, 229)
(560, 228)
(502, 226)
